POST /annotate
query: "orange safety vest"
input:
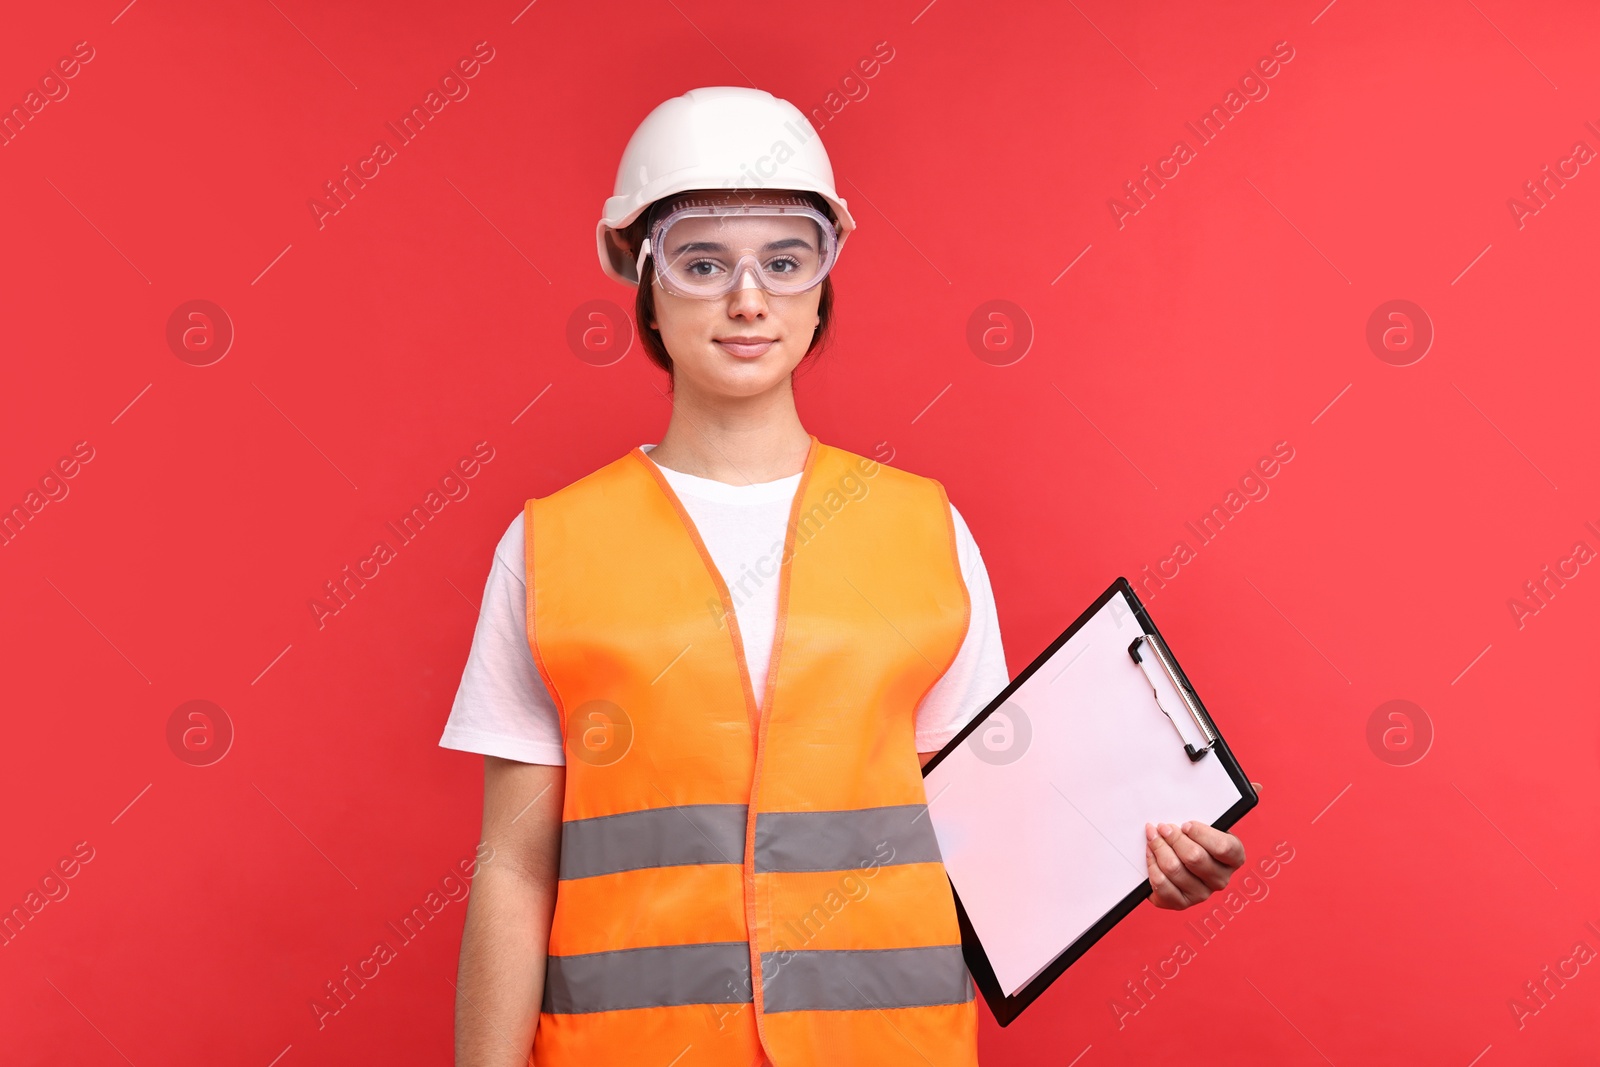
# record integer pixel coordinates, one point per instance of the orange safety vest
(705, 840)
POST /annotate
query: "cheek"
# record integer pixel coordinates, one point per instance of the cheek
(685, 327)
(802, 321)
(670, 317)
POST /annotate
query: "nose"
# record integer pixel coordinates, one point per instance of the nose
(749, 300)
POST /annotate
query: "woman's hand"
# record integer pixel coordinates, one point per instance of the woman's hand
(1190, 862)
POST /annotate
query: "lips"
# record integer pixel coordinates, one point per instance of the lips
(746, 347)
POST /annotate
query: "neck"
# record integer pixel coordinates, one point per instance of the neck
(738, 440)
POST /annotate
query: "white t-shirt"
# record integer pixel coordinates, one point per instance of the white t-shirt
(502, 707)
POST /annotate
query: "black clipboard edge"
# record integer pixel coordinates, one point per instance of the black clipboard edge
(1004, 1008)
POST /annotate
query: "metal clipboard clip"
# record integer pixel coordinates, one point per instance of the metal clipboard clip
(1170, 669)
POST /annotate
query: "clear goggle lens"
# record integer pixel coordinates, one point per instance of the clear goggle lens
(708, 249)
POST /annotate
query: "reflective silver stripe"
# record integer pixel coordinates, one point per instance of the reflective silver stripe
(844, 840)
(655, 837)
(716, 972)
(856, 979)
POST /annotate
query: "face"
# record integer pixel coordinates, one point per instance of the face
(745, 342)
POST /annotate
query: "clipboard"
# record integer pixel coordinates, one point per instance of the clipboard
(1117, 731)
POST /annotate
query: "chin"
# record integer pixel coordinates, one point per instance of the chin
(744, 379)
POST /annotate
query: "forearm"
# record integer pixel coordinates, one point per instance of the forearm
(501, 978)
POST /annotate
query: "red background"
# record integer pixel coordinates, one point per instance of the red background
(372, 353)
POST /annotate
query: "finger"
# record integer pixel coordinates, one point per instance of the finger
(1225, 848)
(1163, 894)
(1197, 860)
(1256, 786)
(1198, 863)
(1175, 867)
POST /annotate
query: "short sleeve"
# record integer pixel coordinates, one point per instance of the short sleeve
(502, 707)
(978, 673)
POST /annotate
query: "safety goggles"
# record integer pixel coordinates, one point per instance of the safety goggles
(705, 248)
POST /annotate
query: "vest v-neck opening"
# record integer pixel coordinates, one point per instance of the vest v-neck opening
(756, 712)
(778, 489)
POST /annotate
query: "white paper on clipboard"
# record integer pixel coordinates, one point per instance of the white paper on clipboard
(1040, 812)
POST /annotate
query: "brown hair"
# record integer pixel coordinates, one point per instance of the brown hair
(644, 304)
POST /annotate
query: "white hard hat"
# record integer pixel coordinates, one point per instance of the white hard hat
(718, 137)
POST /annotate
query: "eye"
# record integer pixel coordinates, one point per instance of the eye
(783, 265)
(694, 268)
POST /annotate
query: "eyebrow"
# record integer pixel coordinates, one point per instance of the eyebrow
(718, 246)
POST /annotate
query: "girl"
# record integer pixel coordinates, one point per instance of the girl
(705, 676)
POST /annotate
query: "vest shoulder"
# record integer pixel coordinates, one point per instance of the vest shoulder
(601, 480)
(867, 467)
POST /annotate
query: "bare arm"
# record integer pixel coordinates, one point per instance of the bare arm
(501, 978)
(924, 757)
